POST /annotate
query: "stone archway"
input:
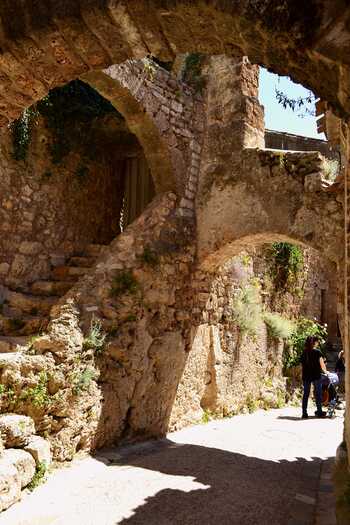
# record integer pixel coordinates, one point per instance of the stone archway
(50, 44)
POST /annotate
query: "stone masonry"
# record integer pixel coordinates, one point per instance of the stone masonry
(149, 291)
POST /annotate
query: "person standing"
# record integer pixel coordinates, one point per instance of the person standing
(313, 367)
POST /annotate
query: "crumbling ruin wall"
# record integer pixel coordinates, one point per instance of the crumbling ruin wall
(144, 295)
(228, 371)
(138, 291)
(44, 205)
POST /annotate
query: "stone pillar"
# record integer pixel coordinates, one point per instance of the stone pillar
(235, 116)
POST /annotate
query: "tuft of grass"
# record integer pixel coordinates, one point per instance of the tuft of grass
(39, 476)
(331, 169)
(278, 326)
(247, 309)
(82, 381)
(124, 282)
(96, 337)
(251, 404)
(246, 260)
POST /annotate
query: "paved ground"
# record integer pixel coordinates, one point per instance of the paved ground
(258, 469)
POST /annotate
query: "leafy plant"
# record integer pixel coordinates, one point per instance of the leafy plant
(192, 71)
(39, 476)
(124, 282)
(251, 404)
(304, 328)
(307, 103)
(287, 265)
(37, 395)
(149, 68)
(206, 416)
(278, 326)
(64, 109)
(246, 260)
(82, 381)
(21, 133)
(7, 393)
(149, 257)
(96, 337)
(247, 309)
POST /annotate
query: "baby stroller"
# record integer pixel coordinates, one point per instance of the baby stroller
(330, 398)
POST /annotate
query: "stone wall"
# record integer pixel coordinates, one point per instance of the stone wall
(148, 336)
(228, 371)
(44, 217)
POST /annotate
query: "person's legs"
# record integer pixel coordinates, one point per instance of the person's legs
(318, 395)
(306, 393)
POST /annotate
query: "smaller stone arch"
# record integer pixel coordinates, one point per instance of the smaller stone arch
(273, 196)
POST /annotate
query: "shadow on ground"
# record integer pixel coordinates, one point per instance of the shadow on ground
(237, 489)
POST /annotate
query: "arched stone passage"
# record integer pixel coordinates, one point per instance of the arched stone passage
(271, 195)
(161, 111)
(47, 44)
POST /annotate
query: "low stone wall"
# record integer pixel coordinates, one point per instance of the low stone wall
(22, 456)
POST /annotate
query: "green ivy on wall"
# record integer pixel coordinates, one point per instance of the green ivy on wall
(66, 110)
(287, 265)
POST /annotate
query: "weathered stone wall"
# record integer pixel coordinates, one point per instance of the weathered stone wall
(249, 195)
(226, 370)
(50, 212)
(91, 398)
(164, 113)
(161, 321)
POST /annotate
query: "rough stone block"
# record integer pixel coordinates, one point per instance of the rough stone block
(40, 449)
(4, 268)
(16, 430)
(23, 462)
(10, 485)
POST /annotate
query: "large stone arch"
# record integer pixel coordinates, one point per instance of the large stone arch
(161, 111)
(49, 43)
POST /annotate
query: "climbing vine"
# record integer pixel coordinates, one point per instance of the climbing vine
(287, 265)
(303, 329)
(66, 110)
(192, 71)
(21, 133)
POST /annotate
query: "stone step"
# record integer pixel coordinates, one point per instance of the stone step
(12, 344)
(94, 249)
(57, 288)
(82, 261)
(68, 273)
(25, 325)
(30, 304)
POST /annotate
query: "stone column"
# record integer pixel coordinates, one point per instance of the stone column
(234, 119)
(235, 115)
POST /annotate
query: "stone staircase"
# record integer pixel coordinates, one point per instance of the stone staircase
(26, 313)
